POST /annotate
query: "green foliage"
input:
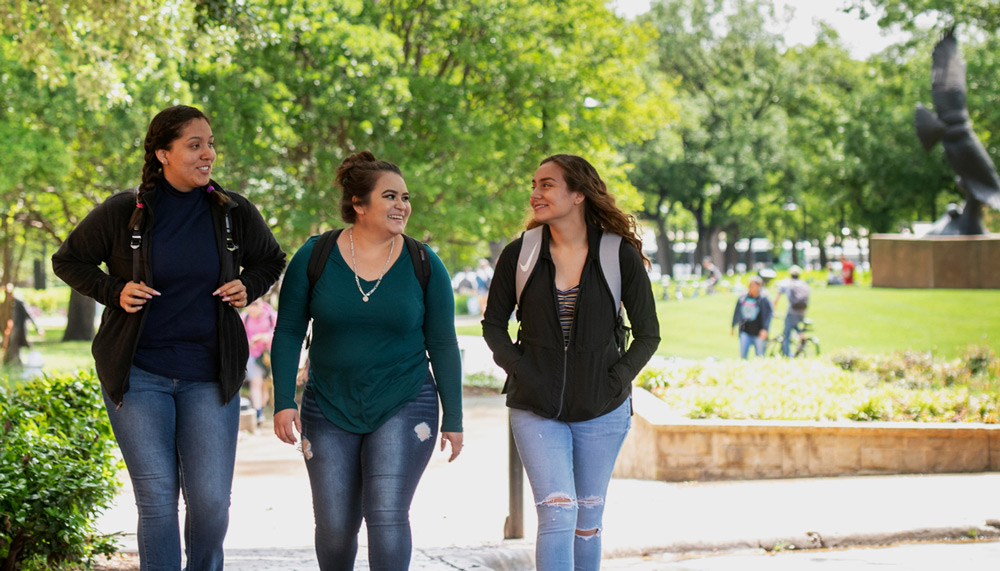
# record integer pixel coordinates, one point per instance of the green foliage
(49, 300)
(57, 472)
(482, 380)
(902, 386)
(984, 14)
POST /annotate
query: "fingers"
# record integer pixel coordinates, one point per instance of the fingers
(456, 443)
(135, 295)
(283, 422)
(234, 293)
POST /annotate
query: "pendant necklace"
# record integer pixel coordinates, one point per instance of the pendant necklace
(364, 296)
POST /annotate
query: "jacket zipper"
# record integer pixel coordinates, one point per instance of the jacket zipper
(572, 331)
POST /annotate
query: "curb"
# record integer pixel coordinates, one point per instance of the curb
(521, 558)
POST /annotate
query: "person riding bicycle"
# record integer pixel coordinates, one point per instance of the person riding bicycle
(797, 292)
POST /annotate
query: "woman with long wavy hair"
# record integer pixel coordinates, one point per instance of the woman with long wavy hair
(568, 378)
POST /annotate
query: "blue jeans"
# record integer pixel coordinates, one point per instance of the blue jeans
(569, 466)
(177, 436)
(792, 321)
(746, 340)
(371, 476)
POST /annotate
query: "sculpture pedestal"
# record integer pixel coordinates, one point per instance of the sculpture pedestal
(952, 262)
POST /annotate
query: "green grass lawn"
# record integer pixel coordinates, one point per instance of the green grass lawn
(870, 320)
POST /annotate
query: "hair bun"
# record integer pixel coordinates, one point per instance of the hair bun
(353, 161)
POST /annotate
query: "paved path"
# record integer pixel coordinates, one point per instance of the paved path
(459, 510)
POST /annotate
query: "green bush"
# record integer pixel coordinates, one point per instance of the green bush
(49, 300)
(58, 471)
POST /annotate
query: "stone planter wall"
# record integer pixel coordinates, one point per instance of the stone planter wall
(665, 446)
(963, 262)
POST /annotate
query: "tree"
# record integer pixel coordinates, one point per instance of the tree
(729, 71)
(984, 14)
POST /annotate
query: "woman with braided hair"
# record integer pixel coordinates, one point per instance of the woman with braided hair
(183, 255)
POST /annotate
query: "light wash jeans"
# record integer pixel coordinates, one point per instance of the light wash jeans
(177, 436)
(371, 476)
(746, 340)
(792, 321)
(569, 466)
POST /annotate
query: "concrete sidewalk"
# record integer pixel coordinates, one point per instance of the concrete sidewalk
(459, 511)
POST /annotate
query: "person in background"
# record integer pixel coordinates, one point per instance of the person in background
(752, 318)
(846, 270)
(568, 380)
(370, 408)
(259, 320)
(711, 273)
(182, 255)
(797, 292)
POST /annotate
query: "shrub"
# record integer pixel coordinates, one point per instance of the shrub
(902, 386)
(58, 471)
(981, 360)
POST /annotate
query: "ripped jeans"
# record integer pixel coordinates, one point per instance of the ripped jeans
(569, 466)
(371, 476)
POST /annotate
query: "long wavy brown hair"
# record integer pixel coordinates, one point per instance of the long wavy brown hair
(600, 209)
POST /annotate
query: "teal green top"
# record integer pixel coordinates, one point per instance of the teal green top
(367, 360)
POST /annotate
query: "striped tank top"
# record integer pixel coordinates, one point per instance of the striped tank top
(567, 303)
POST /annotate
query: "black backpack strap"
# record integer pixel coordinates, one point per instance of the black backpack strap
(421, 263)
(320, 254)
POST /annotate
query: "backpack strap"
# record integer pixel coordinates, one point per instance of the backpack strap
(327, 240)
(421, 262)
(531, 244)
(319, 256)
(611, 266)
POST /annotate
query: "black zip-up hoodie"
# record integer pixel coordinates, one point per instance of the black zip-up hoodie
(587, 378)
(104, 236)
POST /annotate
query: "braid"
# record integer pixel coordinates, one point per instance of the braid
(152, 171)
(163, 130)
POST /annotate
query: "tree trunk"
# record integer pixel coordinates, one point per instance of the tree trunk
(712, 248)
(40, 268)
(732, 257)
(80, 317)
(664, 249)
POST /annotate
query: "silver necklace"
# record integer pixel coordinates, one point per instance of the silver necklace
(365, 296)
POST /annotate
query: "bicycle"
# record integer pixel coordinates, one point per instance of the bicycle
(804, 342)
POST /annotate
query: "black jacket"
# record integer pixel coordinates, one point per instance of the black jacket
(104, 237)
(588, 378)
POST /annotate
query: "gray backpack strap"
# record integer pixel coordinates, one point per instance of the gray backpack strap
(531, 245)
(611, 266)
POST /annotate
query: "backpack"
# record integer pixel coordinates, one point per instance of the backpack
(327, 240)
(798, 295)
(531, 243)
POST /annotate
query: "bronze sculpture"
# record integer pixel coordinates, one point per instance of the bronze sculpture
(950, 124)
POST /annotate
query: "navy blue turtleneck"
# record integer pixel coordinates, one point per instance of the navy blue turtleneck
(179, 339)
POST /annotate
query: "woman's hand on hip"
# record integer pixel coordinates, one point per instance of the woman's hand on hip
(233, 292)
(134, 296)
(284, 420)
(456, 443)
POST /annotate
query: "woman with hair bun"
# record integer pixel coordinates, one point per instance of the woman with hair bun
(183, 254)
(568, 379)
(370, 407)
